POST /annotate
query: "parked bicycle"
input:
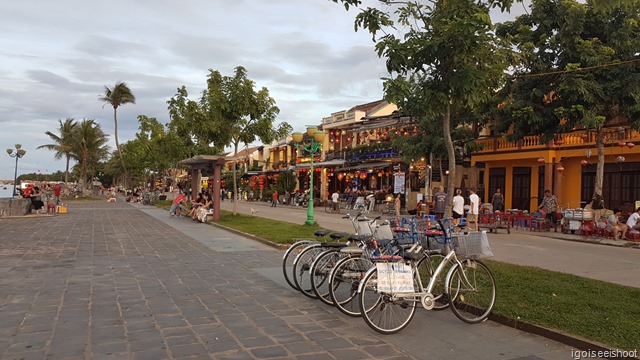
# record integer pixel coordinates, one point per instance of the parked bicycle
(390, 292)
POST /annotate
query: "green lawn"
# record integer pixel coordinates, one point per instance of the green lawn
(596, 310)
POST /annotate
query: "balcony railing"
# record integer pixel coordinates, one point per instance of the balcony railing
(572, 139)
(363, 153)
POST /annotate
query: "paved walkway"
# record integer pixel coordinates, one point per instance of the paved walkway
(125, 281)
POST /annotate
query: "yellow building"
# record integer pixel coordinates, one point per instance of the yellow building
(566, 166)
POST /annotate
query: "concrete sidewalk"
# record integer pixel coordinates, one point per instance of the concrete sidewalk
(125, 281)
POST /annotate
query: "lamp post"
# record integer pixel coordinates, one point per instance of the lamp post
(20, 152)
(312, 147)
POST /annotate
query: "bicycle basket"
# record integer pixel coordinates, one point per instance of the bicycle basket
(473, 245)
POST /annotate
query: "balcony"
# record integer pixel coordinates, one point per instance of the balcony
(574, 139)
(364, 153)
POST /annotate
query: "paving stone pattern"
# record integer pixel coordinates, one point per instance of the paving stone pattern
(114, 281)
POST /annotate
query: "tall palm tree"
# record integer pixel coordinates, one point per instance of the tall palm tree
(89, 146)
(117, 96)
(62, 143)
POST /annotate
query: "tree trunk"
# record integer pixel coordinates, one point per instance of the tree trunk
(115, 130)
(66, 171)
(235, 182)
(446, 126)
(600, 165)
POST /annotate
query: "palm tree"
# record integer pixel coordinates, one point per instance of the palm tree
(89, 146)
(62, 143)
(119, 95)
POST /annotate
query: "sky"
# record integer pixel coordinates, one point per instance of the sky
(56, 57)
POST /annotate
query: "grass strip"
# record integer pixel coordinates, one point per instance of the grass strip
(596, 310)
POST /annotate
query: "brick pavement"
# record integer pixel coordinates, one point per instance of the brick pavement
(122, 281)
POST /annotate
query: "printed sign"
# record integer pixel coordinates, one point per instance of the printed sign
(394, 277)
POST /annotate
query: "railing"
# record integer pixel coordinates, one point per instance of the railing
(572, 139)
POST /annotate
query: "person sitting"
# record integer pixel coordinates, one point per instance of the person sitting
(615, 226)
(195, 204)
(416, 212)
(632, 221)
(177, 207)
(36, 199)
(203, 211)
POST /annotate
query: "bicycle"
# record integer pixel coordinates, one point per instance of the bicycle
(332, 207)
(469, 287)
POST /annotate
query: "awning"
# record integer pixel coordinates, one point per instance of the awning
(334, 162)
(375, 165)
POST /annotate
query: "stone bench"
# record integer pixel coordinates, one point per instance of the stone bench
(14, 207)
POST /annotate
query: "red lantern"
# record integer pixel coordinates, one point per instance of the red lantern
(584, 162)
(622, 144)
(630, 145)
(363, 175)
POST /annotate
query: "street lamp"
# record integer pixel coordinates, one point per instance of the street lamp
(312, 147)
(20, 152)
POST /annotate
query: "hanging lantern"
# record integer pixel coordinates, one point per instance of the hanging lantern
(363, 175)
(541, 159)
(584, 136)
(630, 145)
(560, 168)
(340, 176)
(380, 173)
(584, 162)
(620, 159)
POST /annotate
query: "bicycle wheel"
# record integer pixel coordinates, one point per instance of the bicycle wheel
(329, 208)
(320, 271)
(301, 267)
(474, 291)
(426, 268)
(343, 283)
(384, 312)
(289, 256)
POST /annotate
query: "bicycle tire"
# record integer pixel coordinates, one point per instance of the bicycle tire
(476, 291)
(386, 313)
(301, 267)
(343, 284)
(320, 271)
(426, 267)
(289, 256)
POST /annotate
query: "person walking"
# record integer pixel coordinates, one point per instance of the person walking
(396, 205)
(550, 205)
(498, 201)
(335, 201)
(472, 216)
(440, 202)
(458, 207)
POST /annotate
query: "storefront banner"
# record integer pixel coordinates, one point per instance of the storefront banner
(398, 183)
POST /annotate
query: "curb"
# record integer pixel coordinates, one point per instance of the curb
(252, 237)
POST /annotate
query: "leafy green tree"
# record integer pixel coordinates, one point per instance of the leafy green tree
(89, 148)
(230, 112)
(62, 143)
(117, 96)
(577, 68)
(286, 182)
(443, 57)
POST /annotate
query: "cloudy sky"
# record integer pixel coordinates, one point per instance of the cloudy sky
(57, 56)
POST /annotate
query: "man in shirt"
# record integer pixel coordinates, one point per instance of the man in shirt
(335, 201)
(178, 205)
(458, 207)
(440, 202)
(632, 221)
(472, 216)
(550, 205)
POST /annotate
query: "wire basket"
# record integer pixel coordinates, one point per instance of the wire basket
(473, 245)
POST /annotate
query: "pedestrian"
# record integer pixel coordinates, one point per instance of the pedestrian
(550, 205)
(335, 201)
(57, 190)
(498, 201)
(440, 202)
(458, 207)
(396, 205)
(472, 216)
(274, 198)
